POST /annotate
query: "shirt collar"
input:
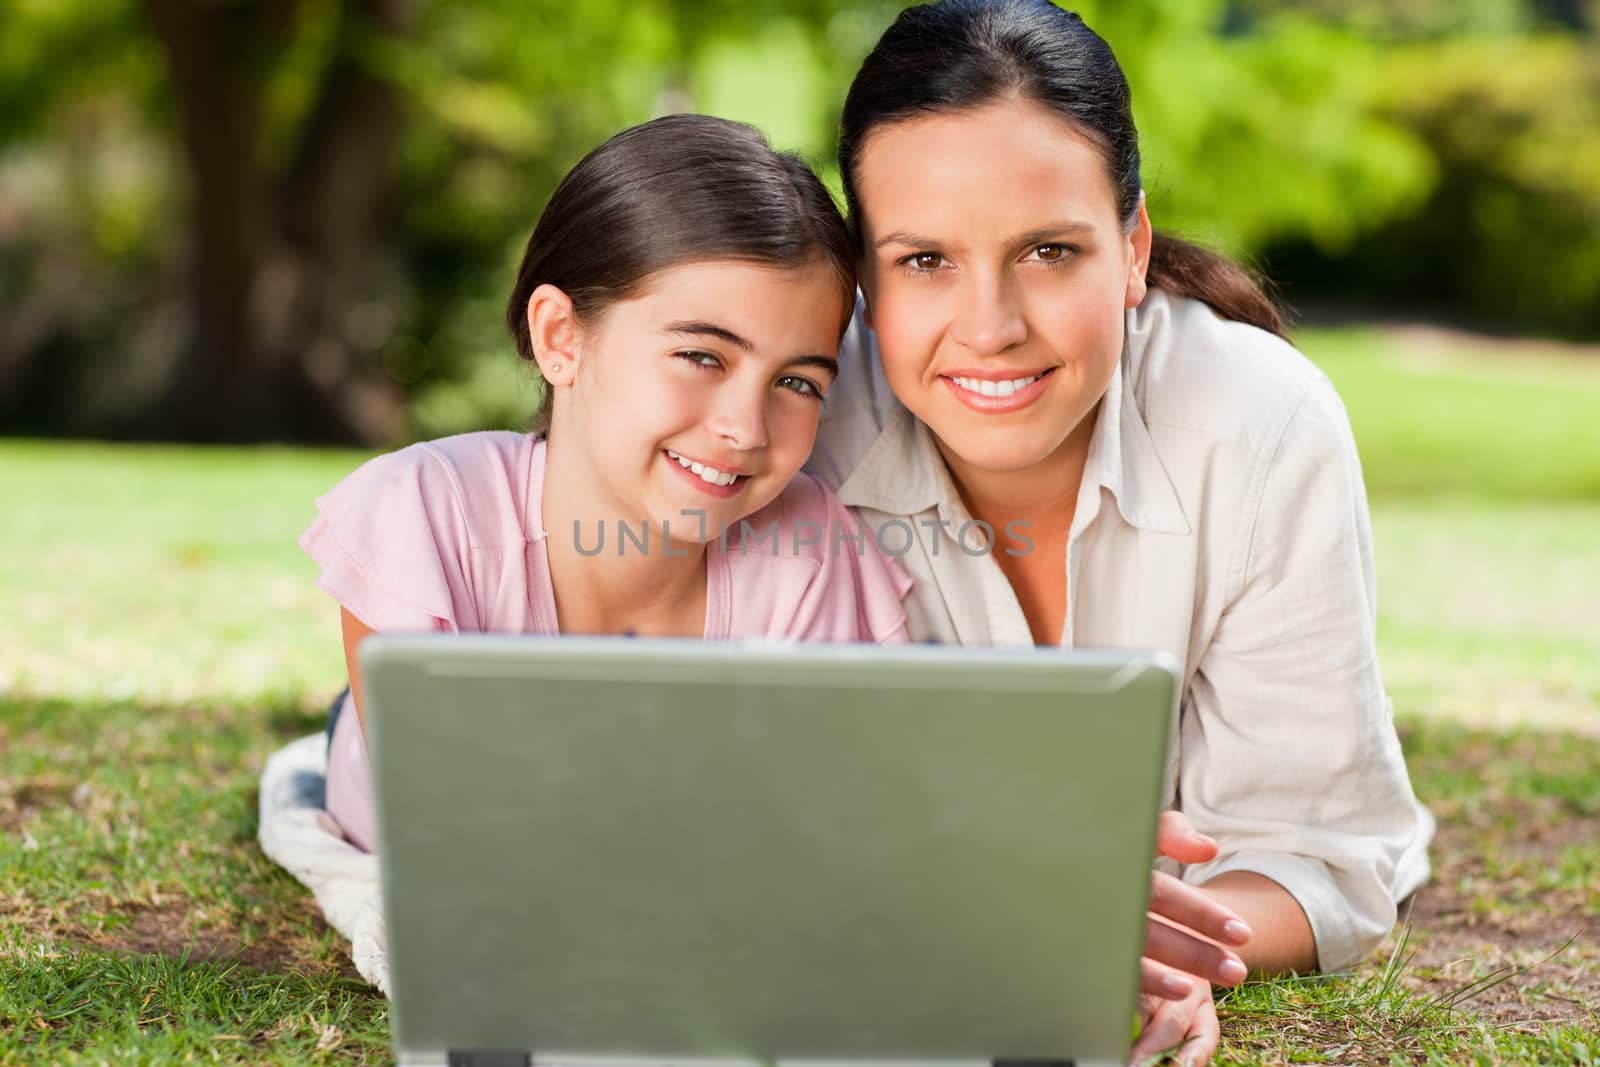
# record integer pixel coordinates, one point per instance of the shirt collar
(902, 472)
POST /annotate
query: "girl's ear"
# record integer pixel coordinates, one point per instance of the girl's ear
(553, 331)
(1139, 263)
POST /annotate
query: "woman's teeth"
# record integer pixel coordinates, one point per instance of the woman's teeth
(991, 388)
(707, 474)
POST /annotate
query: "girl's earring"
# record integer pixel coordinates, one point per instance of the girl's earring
(555, 368)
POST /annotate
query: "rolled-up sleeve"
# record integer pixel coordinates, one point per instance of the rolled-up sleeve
(1289, 752)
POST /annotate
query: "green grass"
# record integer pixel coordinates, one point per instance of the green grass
(1436, 415)
(161, 636)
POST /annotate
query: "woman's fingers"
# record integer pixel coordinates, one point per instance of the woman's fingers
(1181, 950)
(1160, 982)
(1185, 905)
(1187, 1030)
(1176, 838)
(1164, 1031)
(1205, 1031)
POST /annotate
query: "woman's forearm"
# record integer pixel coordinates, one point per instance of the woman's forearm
(1281, 940)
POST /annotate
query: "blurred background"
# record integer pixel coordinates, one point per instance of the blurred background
(297, 220)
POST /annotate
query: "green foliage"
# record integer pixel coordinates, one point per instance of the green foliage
(1248, 137)
(1510, 117)
(1515, 124)
(1396, 19)
(1266, 124)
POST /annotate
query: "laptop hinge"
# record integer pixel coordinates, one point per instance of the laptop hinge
(488, 1057)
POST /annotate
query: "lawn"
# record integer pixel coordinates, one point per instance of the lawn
(161, 636)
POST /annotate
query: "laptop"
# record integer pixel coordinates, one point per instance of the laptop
(627, 852)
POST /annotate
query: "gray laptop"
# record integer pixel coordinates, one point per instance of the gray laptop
(618, 852)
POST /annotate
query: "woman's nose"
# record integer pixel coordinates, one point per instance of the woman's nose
(990, 319)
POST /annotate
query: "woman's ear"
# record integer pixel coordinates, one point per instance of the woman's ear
(1140, 240)
(553, 331)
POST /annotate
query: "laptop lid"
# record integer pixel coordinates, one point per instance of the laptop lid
(635, 851)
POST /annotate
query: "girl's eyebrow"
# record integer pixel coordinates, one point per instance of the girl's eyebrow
(827, 363)
(697, 328)
(708, 329)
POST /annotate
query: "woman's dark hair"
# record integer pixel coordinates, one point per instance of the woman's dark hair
(957, 55)
(675, 190)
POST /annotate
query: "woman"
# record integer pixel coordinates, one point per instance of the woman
(1100, 438)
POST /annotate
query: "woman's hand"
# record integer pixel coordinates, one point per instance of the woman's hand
(1179, 953)
(1180, 962)
(1185, 1029)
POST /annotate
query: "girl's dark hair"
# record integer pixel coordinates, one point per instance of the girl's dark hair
(961, 54)
(678, 189)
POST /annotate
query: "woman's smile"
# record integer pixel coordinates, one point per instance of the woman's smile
(991, 392)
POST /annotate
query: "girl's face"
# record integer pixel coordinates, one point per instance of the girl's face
(996, 272)
(701, 393)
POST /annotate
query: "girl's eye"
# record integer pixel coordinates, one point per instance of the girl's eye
(1052, 253)
(924, 261)
(699, 359)
(803, 386)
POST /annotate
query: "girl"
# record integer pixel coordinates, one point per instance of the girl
(1160, 469)
(682, 297)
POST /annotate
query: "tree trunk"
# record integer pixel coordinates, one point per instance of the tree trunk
(330, 202)
(276, 264)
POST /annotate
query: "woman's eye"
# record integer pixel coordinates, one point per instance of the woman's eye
(803, 386)
(699, 359)
(1052, 253)
(924, 261)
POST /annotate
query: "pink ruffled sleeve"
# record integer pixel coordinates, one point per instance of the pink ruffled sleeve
(393, 546)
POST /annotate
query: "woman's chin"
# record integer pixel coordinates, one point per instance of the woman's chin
(996, 450)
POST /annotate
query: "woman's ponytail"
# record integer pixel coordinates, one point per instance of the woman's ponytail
(1232, 291)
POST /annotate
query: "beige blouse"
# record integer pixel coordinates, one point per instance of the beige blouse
(1222, 518)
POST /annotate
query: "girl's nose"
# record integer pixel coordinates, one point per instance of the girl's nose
(739, 418)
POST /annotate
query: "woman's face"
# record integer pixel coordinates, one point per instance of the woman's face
(996, 271)
(702, 392)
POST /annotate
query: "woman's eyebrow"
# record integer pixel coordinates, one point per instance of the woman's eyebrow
(906, 237)
(708, 329)
(1061, 228)
(1053, 230)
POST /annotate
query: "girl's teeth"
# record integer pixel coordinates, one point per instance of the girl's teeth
(707, 474)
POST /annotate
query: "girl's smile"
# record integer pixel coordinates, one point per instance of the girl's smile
(723, 482)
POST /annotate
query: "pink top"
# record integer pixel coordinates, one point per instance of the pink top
(448, 536)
